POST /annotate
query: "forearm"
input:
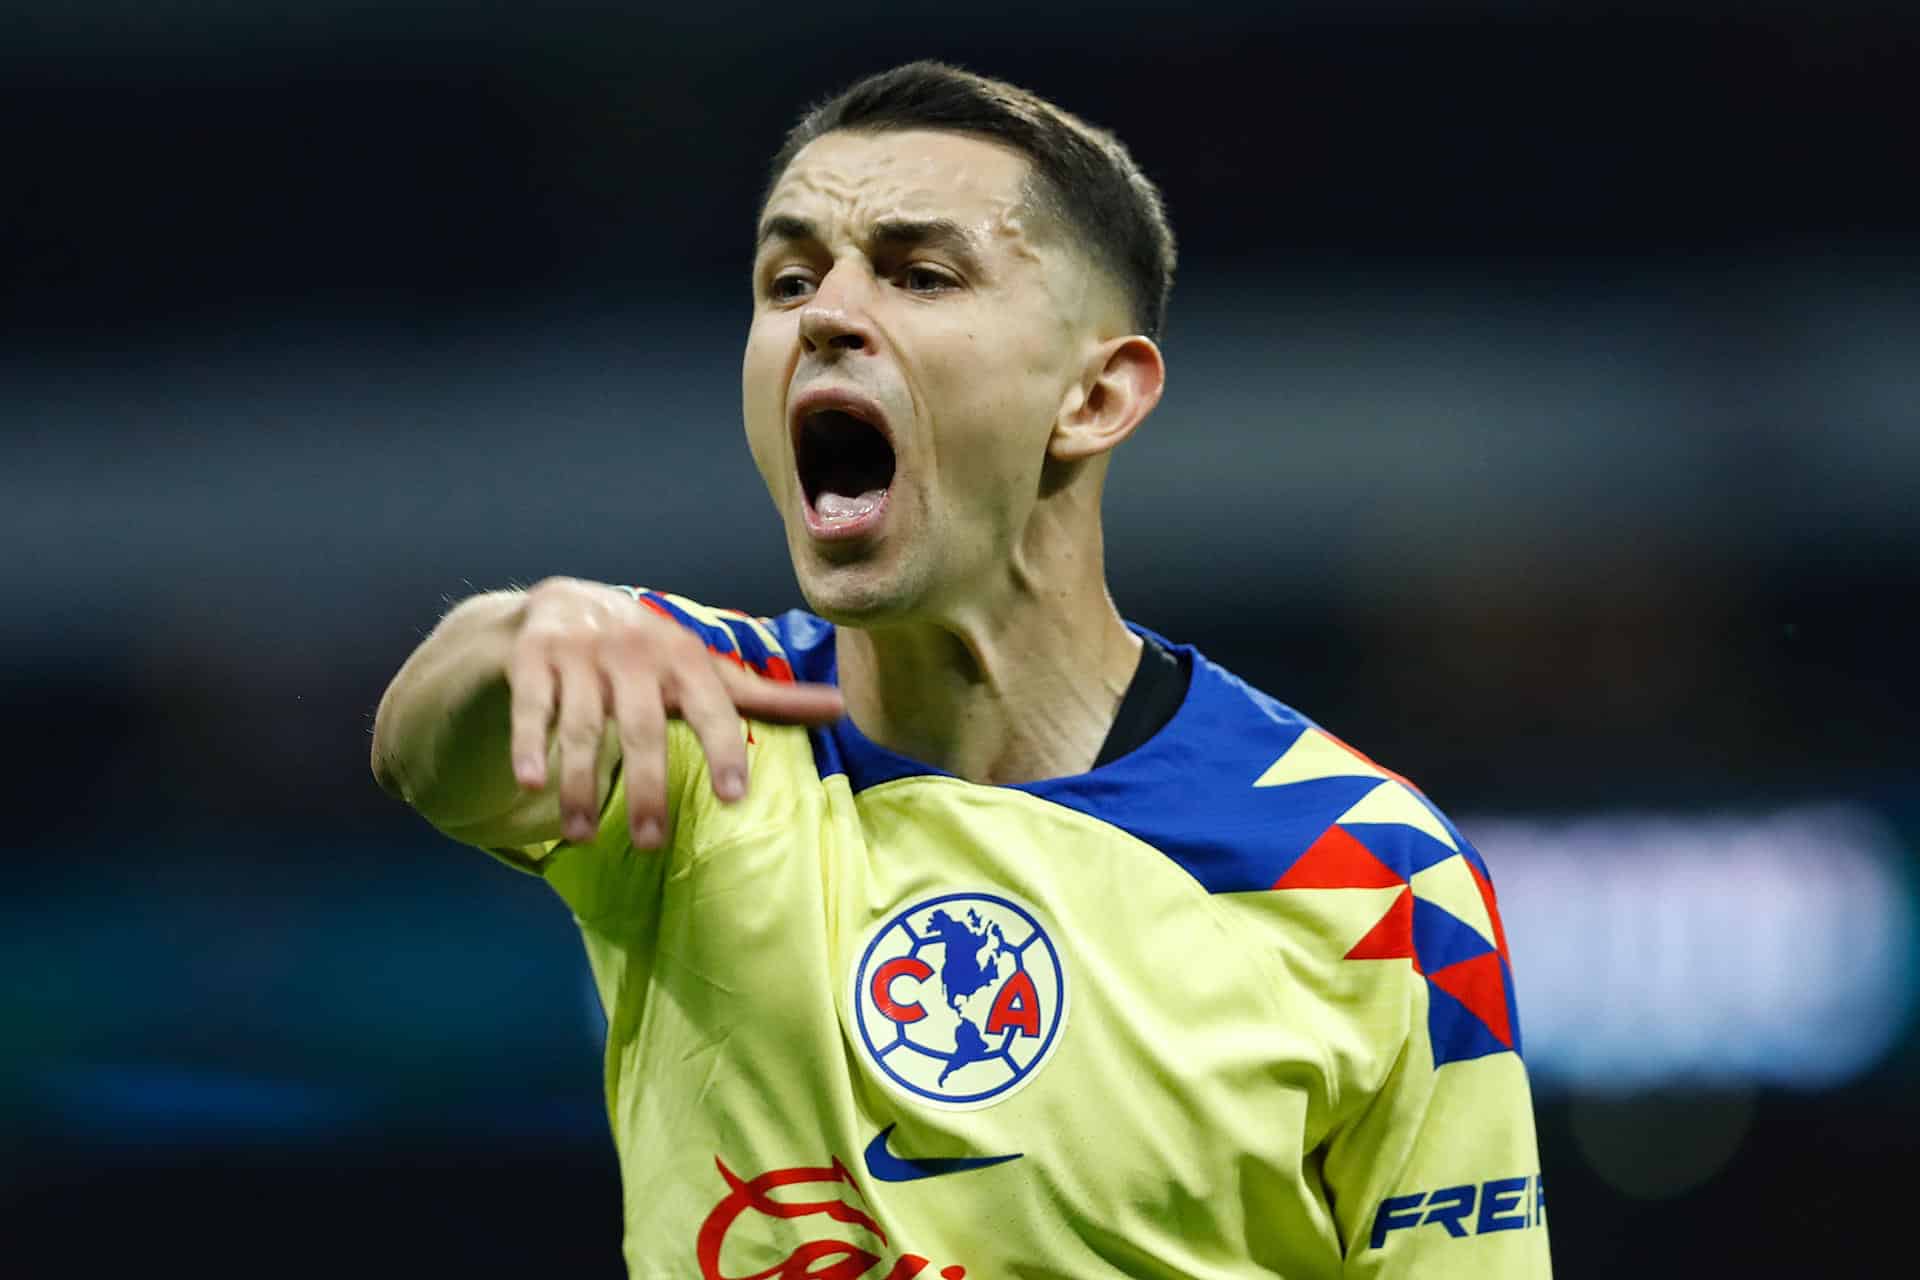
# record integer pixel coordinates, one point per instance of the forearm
(440, 737)
(504, 728)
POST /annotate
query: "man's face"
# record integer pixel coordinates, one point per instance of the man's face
(915, 333)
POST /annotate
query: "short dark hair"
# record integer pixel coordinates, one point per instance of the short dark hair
(1083, 175)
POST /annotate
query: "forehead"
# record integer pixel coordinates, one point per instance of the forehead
(909, 173)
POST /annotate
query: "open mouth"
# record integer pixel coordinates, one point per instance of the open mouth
(845, 465)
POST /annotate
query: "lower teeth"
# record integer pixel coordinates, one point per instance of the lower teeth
(839, 506)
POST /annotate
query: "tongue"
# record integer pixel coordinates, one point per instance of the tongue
(838, 506)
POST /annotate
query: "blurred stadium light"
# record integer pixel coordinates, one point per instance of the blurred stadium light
(1726, 949)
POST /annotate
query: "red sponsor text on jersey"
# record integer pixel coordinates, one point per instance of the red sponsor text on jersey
(824, 1259)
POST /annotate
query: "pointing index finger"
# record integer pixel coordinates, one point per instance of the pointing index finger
(778, 701)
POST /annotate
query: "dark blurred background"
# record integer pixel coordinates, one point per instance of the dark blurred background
(1542, 418)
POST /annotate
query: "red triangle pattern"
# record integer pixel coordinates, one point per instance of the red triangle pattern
(1337, 861)
(1479, 984)
(1493, 911)
(1392, 937)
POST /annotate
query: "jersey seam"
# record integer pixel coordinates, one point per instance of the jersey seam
(687, 856)
(702, 852)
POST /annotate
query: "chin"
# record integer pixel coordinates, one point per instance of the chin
(858, 594)
(858, 607)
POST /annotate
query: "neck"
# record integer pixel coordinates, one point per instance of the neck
(1018, 686)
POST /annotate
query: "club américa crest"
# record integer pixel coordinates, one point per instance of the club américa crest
(959, 999)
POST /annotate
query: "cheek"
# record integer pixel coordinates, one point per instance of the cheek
(1000, 421)
(762, 381)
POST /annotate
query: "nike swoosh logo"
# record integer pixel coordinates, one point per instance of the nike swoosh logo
(888, 1167)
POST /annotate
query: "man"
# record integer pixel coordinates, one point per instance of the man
(957, 926)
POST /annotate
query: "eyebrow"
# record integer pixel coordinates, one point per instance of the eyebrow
(937, 233)
(784, 226)
(888, 233)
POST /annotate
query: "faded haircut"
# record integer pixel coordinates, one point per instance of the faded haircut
(1083, 176)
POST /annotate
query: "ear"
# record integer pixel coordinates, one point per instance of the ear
(1120, 385)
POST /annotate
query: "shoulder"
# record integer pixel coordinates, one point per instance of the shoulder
(775, 647)
(1248, 794)
(808, 642)
(1310, 834)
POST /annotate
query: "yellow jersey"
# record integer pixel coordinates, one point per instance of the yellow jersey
(1237, 1003)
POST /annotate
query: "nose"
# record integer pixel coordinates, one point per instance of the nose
(835, 318)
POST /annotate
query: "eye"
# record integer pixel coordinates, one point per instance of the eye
(920, 278)
(789, 286)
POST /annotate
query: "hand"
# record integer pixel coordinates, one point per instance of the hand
(585, 653)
